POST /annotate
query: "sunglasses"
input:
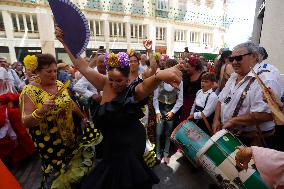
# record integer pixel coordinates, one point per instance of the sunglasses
(238, 58)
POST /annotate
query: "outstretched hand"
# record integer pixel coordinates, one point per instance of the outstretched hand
(147, 44)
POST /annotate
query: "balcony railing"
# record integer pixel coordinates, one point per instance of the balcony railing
(33, 35)
(137, 10)
(95, 4)
(29, 35)
(116, 6)
(97, 38)
(162, 13)
(180, 15)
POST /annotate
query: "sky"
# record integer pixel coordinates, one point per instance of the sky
(240, 31)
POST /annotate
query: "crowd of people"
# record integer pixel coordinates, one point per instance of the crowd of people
(133, 99)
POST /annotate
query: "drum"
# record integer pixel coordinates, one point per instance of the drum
(217, 157)
(190, 138)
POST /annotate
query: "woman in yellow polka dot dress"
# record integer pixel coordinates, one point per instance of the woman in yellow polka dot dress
(51, 126)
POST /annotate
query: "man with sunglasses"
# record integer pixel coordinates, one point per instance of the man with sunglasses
(241, 108)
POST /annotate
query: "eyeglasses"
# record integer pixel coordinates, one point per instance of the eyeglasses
(238, 58)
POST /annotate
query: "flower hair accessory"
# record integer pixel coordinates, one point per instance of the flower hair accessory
(132, 52)
(157, 56)
(116, 60)
(30, 62)
(164, 57)
(193, 60)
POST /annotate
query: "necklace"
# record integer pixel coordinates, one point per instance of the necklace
(229, 96)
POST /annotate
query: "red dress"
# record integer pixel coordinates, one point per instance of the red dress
(190, 89)
(24, 147)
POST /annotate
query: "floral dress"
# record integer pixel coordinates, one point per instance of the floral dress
(54, 136)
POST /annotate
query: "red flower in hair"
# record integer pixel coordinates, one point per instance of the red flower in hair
(193, 61)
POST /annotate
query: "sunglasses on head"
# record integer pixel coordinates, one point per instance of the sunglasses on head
(238, 58)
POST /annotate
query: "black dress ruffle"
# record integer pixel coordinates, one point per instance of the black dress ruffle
(122, 165)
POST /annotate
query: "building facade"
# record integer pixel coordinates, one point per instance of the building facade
(27, 26)
(268, 30)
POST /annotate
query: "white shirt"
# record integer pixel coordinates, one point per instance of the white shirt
(168, 87)
(252, 103)
(272, 79)
(85, 88)
(7, 129)
(200, 101)
(17, 82)
(142, 68)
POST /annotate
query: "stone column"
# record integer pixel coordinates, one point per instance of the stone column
(170, 39)
(8, 24)
(47, 36)
(106, 34)
(128, 34)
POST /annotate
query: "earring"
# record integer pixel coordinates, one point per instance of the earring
(36, 79)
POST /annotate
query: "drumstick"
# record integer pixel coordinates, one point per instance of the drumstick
(276, 112)
(206, 123)
(59, 92)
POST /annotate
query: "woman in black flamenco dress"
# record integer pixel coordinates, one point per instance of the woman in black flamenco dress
(122, 165)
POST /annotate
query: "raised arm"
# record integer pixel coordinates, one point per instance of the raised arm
(95, 78)
(152, 68)
(172, 76)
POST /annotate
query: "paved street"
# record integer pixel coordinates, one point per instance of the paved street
(180, 174)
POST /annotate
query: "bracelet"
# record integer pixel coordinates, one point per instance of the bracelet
(156, 77)
(36, 116)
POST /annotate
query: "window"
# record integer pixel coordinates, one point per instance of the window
(162, 5)
(138, 31)
(14, 20)
(194, 37)
(117, 29)
(99, 25)
(35, 23)
(96, 27)
(160, 33)
(29, 23)
(91, 27)
(19, 24)
(207, 38)
(137, 7)
(180, 35)
(2, 27)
